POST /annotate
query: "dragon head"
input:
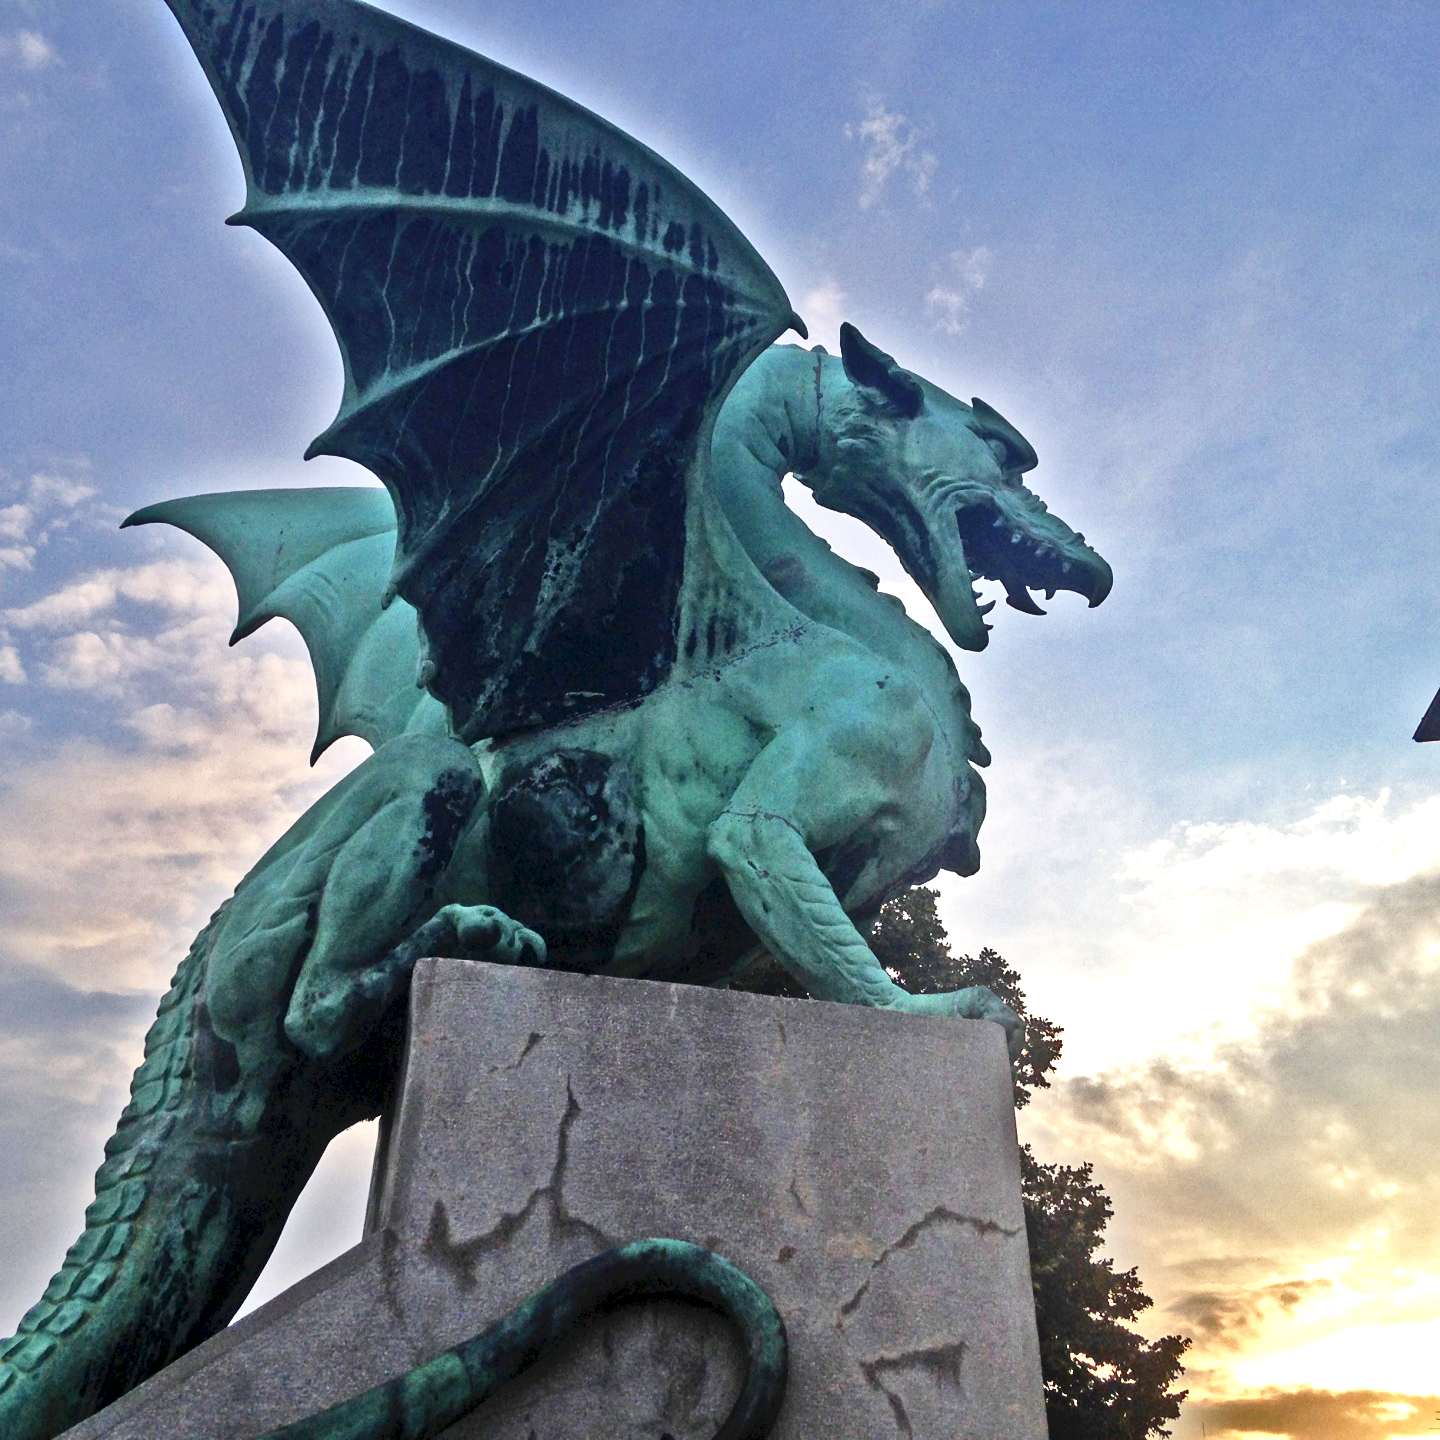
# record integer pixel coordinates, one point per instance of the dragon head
(940, 480)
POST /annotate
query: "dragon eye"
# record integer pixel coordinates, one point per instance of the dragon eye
(1001, 451)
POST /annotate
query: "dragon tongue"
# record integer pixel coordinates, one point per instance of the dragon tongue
(1018, 596)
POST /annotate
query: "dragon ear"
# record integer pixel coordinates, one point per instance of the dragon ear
(865, 365)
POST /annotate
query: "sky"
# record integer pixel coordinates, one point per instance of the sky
(1190, 251)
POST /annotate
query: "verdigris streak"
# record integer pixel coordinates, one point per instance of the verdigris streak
(660, 727)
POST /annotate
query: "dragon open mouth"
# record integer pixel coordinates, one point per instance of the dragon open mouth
(1019, 543)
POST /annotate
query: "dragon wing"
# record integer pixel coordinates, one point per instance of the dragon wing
(320, 559)
(539, 319)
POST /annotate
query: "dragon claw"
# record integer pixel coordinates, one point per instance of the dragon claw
(978, 1003)
(481, 932)
(975, 1002)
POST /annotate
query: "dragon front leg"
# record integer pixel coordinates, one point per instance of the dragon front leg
(792, 802)
(336, 1000)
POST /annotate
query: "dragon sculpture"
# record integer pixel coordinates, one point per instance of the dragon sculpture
(659, 727)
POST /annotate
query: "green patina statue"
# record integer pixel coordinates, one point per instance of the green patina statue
(659, 727)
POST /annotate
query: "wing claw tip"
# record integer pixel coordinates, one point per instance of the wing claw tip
(1429, 726)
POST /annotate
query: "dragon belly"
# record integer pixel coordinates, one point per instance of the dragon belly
(567, 851)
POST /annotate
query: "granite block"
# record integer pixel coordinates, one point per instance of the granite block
(860, 1164)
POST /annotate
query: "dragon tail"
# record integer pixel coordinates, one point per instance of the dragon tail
(429, 1398)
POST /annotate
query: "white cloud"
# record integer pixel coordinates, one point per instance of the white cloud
(111, 857)
(890, 145)
(948, 300)
(12, 672)
(110, 852)
(50, 500)
(1205, 923)
(15, 521)
(182, 587)
(1279, 1191)
(114, 651)
(59, 490)
(29, 47)
(823, 308)
(91, 660)
(1346, 838)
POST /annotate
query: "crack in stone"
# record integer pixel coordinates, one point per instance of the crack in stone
(460, 1257)
(939, 1215)
(943, 1362)
(796, 1197)
(390, 1273)
(852, 1304)
(535, 1038)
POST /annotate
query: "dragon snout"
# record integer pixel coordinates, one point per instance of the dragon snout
(1025, 553)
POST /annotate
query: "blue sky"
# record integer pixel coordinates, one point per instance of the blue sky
(1189, 250)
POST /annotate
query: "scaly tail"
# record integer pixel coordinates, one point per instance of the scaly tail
(189, 1203)
(430, 1398)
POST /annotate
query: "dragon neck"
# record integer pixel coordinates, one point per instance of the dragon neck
(778, 421)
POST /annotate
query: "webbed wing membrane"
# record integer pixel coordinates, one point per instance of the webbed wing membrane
(320, 559)
(539, 319)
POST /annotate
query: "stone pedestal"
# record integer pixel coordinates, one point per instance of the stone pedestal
(861, 1165)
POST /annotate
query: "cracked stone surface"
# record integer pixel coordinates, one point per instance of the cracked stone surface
(861, 1165)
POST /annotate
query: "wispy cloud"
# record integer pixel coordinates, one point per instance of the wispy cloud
(1203, 925)
(948, 300)
(177, 585)
(824, 308)
(114, 850)
(42, 504)
(53, 488)
(102, 631)
(1280, 1193)
(1306, 1414)
(111, 849)
(890, 146)
(1347, 837)
(27, 48)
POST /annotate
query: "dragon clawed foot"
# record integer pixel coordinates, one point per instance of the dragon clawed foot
(479, 932)
(975, 1003)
